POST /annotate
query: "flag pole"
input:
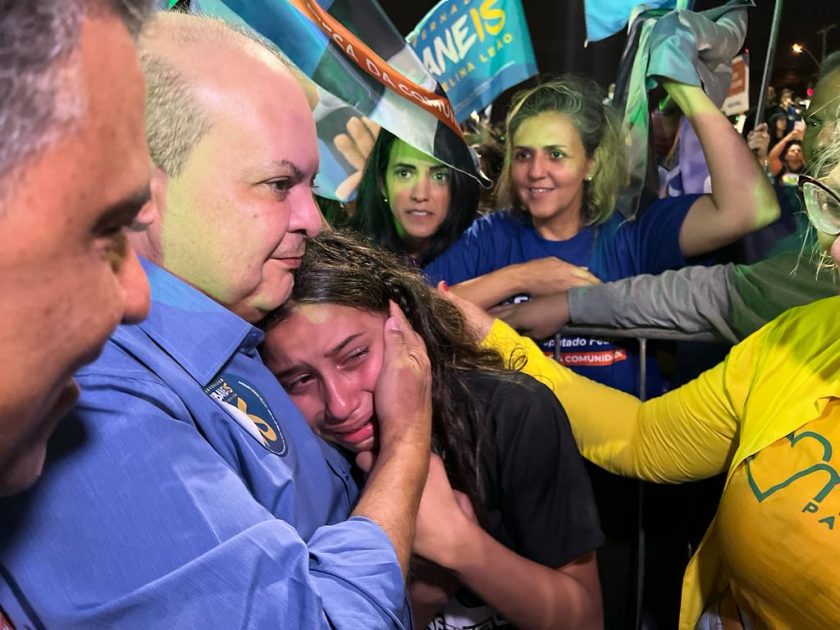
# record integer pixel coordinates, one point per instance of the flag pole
(768, 62)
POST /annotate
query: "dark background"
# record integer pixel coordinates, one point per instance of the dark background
(558, 34)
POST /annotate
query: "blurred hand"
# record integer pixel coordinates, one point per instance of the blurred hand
(545, 276)
(403, 393)
(430, 590)
(538, 318)
(796, 134)
(758, 140)
(355, 146)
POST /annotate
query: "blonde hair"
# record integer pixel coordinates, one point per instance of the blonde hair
(582, 102)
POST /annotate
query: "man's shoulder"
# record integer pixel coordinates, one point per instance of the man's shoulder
(122, 355)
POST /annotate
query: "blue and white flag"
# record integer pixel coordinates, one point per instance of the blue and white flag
(476, 49)
(362, 69)
(607, 17)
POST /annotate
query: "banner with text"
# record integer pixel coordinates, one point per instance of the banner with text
(365, 76)
(476, 49)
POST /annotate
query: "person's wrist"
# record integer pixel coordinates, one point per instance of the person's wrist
(413, 436)
(521, 277)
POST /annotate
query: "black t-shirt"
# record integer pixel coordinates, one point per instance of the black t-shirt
(538, 499)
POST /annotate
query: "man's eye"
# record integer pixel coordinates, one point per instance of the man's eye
(521, 155)
(281, 186)
(441, 176)
(556, 155)
(115, 247)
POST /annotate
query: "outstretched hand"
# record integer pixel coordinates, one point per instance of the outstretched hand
(538, 318)
(552, 275)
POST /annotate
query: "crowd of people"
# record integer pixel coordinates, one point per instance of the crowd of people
(221, 411)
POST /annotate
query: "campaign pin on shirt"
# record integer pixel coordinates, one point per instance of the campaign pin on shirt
(247, 406)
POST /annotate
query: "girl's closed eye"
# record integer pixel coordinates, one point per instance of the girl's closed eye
(356, 357)
(297, 384)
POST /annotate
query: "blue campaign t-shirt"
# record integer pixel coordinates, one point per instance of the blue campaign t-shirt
(617, 249)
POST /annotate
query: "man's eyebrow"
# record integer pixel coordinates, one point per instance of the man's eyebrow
(404, 165)
(124, 211)
(280, 165)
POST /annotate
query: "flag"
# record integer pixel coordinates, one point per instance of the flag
(695, 48)
(363, 68)
(607, 17)
(476, 49)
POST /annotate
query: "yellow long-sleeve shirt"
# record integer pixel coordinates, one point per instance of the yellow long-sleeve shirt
(745, 416)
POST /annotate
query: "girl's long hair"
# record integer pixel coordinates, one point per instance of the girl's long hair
(343, 268)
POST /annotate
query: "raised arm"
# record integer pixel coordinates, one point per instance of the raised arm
(742, 199)
(774, 158)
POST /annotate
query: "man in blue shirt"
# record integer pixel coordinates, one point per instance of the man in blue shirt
(186, 490)
(71, 106)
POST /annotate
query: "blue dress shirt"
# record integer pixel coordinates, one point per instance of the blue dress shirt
(187, 491)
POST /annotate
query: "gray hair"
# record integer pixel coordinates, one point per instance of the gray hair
(175, 120)
(38, 42)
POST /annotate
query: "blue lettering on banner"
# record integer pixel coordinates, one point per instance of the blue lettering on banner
(476, 49)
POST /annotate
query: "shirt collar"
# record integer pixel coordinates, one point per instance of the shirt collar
(196, 331)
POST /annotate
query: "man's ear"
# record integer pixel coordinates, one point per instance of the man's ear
(152, 211)
(146, 240)
(159, 182)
